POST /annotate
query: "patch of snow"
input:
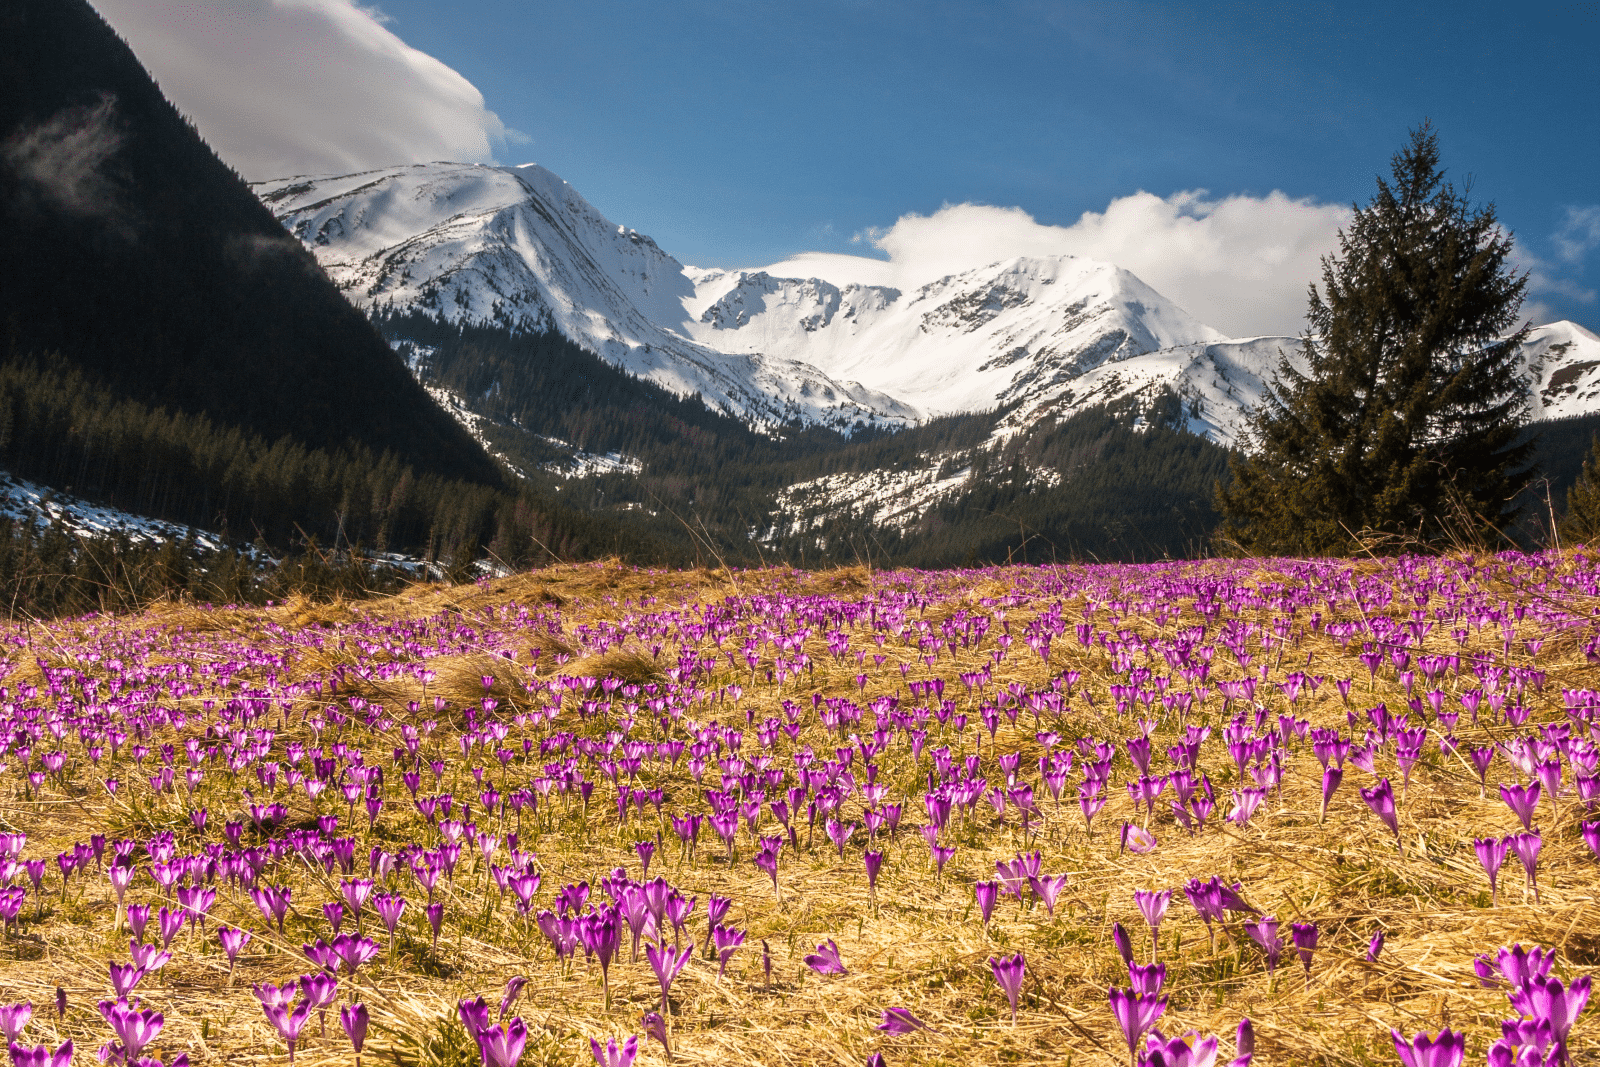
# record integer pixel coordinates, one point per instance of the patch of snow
(887, 498)
(583, 464)
(27, 501)
(471, 421)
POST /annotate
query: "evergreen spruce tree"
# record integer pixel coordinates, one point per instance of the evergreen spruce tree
(1406, 417)
(1582, 521)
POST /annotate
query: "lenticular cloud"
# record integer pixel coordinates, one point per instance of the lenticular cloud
(304, 86)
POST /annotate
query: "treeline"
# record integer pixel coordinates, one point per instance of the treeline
(132, 251)
(62, 429)
(1128, 483)
(1124, 483)
(50, 571)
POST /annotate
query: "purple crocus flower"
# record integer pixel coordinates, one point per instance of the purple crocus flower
(987, 893)
(1206, 899)
(1375, 946)
(513, 989)
(1147, 980)
(1190, 1050)
(1518, 967)
(274, 996)
(501, 1045)
(1153, 906)
(319, 990)
(353, 951)
(13, 1017)
(288, 1021)
(1380, 798)
(1264, 932)
(874, 863)
(1527, 846)
(1492, 854)
(1330, 783)
(41, 1055)
(727, 941)
(667, 963)
(1547, 1000)
(611, 1055)
(1446, 1050)
(900, 1021)
(1305, 937)
(656, 1027)
(826, 959)
(1135, 1014)
(354, 1019)
(1008, 972)
(1124, 944)
(1523, 802)
(389, 906)
(474, 1015)
(135, 1027)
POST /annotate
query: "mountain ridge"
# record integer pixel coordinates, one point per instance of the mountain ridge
(1035, 336)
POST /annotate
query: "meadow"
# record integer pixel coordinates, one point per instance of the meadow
(1228, 811)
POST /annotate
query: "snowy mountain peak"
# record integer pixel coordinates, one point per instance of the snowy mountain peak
(520, 247)
(858, 340)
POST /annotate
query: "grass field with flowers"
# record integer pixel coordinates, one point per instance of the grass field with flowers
(1222, 812)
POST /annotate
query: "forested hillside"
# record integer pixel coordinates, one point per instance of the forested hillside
(129, 249)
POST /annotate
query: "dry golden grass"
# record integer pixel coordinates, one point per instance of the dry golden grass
(919, 944)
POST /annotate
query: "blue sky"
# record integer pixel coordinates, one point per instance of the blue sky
(740, 134)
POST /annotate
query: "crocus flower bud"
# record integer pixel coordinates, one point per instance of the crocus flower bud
(1119, 937)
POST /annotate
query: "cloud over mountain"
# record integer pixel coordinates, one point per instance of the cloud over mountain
(305, 86)
(1241, 263)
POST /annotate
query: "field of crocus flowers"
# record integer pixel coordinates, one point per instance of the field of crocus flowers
(1281, 812)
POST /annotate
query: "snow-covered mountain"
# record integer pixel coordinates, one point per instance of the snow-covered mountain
(1563, 371)
(1008, 333)
(1050, 335)
(519, 246)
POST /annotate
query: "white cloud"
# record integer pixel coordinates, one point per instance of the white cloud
(1239, 263)
(1579, 233)
(1545, 285)
(283, 87)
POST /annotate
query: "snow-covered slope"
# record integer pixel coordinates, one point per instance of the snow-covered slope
(1220, 384)
(27, 501)
(1010, 332)
(1563, 370)
(1048, 335)
(519, 246)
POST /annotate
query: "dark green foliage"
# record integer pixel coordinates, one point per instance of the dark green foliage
(48, 572)
(1407, 422)
(130, 250)
(62, 429)
(1126, 493)
(1582, 520)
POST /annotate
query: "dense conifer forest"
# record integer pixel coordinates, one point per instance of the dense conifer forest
(127, 248)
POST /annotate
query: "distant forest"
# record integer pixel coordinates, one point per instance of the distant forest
(166, 348)
(1128, 484)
